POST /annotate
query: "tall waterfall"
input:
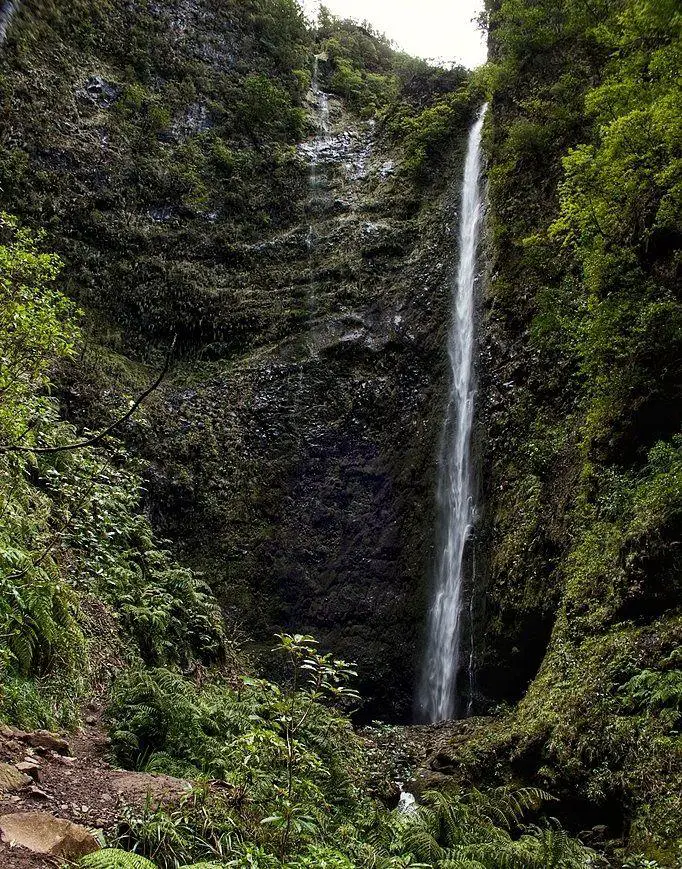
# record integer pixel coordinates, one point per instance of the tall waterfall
(456, 508)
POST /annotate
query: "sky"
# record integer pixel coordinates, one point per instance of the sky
(433, 29)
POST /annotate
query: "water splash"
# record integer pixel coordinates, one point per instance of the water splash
(437, 693)
(407, 804)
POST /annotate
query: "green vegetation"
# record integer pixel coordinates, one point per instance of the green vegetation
(71, 528)
(293, 782)
(186, 149)
(266, 111)
(421, 109)
(361, 64)
(153, 149)
(37, 624)
(426, 134)
(585, 488)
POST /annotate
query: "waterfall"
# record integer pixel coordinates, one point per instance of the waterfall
(8, 8)
(437, 693)
(321, 99)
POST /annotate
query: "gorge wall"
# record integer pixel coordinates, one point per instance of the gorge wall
(290, 455)
(578, 549)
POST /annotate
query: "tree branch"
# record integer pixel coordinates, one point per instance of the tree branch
(88, 442)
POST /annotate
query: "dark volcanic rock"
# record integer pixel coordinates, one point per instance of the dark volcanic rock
(291, 451)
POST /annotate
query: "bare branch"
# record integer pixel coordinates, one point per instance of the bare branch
(88, 442)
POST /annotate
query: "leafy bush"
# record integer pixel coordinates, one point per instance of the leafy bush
(430, 136)
(114, 858)
(70, 518)
(294, 792)
(216, 729)
(38, 631)
(266, 111)
(653, 689)
(469, 831)
(360, 64)
(37, 325)
(473, 830)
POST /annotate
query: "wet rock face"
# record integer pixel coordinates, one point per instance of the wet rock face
(99, 92)
(291, 452)
(300, 476)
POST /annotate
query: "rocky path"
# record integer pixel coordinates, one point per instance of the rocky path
(59, 797)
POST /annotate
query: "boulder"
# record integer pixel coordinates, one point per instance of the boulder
(43, 833)
(48, 741)
(12, 779)
(158, 790)
(29, 767)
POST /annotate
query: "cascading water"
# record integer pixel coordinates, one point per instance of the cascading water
(321, 100)
(8, 8)
(437, 693)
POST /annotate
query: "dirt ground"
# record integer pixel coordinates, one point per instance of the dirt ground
(72, 778)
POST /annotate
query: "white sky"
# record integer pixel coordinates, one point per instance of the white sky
(434, 29)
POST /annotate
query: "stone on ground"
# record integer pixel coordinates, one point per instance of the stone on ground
(42, 833)
(12, 779)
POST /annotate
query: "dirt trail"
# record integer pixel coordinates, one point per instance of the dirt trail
(71, 778)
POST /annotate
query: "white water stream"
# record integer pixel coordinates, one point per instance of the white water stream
(315, 149)
(8, 8)
(438, 689)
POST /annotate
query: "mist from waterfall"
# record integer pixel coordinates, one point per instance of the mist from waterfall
(456, 508)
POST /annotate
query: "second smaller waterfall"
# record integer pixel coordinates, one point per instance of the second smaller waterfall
(321, 101)
(437, 693)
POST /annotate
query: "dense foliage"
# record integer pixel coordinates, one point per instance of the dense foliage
(584, 498)
(72, 535)
(290, 782)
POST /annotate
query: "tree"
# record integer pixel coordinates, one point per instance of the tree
(37, 326)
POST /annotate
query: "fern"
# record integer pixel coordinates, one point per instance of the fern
(472, 831)
(203, 866)
(505, 807)
(461, 864)
(550, 847)
(114, 858)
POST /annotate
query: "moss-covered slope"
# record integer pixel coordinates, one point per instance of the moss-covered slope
(168, 151)
(581, 408)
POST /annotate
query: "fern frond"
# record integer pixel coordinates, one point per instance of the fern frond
(113, 858)
(551, 847)
(420, 842)
(489, 855)
(203, 866)
(462, 864)
(505, 807)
